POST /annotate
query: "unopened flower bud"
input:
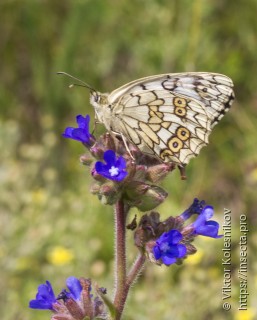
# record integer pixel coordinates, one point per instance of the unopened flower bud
(140, 172)
(147, 230)
(191, 249)
(74, 308)
(97, 150)
(151, 199)
(136, 189)
(94, 189)
(159, 172)
(86, 298)
(86, 159)
(108, 193)
(97, 176)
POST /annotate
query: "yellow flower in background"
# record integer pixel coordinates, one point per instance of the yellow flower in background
(245, 315)
(195, 259)
(59, 255)
(39, 196)
(253, 175)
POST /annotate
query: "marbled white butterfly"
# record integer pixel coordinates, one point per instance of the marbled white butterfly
(169, 116)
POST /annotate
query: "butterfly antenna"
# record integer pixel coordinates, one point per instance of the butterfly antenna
(83, 84)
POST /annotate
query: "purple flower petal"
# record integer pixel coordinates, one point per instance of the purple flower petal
(167, 247)
(74, 286)
(157, 252)
(121, 163)
(109, 157)
(113, 169)
(167, 260)
(182, 250)
(204, 227)
(122, 175)
(175, 236)
(100, 167)
(195, 208)
(82, 122)
(45, 297)
(82, 132)
(210, 229)
(68, 132)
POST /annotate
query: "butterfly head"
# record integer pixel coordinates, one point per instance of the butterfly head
(100, 103)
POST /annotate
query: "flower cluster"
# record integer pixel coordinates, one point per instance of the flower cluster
(128, 178)
(170, 241)
(117, 174)
(76, 304)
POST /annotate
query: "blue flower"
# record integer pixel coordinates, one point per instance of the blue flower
(204, 226)
(82, 132)
(73, 284)
(195, 208)
(114, 169)
(168, 249)
(75, 287)
(45, 297)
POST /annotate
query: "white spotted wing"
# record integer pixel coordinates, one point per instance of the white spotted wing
(169, 116)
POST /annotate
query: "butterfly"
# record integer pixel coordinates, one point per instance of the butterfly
(169, 116)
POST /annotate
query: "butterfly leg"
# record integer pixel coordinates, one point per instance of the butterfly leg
(96, 122)
(126, 146)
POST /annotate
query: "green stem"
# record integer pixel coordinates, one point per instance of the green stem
(123, 281)
(132, 276)
(135, 270)
(120, 258)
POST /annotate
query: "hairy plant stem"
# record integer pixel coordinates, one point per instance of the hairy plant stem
(122, 281)
(120, 257)
(135, 270)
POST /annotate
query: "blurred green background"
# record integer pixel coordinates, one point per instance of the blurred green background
(51, 226)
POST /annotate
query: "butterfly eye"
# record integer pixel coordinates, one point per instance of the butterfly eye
(96, 97)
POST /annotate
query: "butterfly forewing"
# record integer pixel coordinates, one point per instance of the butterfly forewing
(170, 116)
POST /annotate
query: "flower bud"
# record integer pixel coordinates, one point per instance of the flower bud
(136, 189)
(94, 189)
(86, 298)
(147, 229)
(97, 176)
(153, 197)
(108, 193)
(86, 159)
(159, 172)
(75, 310)
(191, 249)
(140, 172)
(97, 150)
